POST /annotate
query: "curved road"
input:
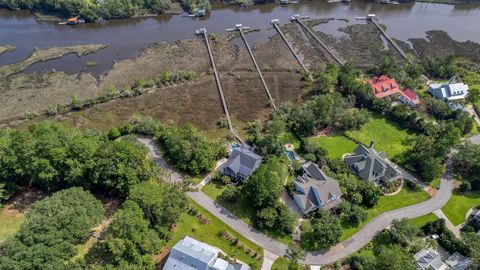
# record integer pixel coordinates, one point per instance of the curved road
(347, 247)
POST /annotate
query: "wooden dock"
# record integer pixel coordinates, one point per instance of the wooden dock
(277, 27)
(393, 43)
(324, 46)
(272, 101)
(203, 32)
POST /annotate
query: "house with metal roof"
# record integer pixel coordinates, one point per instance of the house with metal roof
(449, 91)
(191, 254)
(314, 189)
(427, 259)
(372, 166)
(241, 163)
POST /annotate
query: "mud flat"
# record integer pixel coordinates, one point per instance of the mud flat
(6, 48)
(48, 54)
(439, 44)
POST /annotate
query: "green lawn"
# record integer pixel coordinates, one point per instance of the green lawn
(387, 135)
(336, 146)
(10, 221)
(421, 221)
(387, 203)
(242, 209)
(209, 233)
(458, 206)
(280, 264)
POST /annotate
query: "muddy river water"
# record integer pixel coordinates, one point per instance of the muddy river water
(125, 38)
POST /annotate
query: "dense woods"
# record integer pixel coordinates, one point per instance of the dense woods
(52, 228)
(53, 156)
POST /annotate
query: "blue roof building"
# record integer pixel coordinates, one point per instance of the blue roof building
(242, 163)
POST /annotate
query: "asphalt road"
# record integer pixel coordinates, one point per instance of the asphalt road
(342, 250)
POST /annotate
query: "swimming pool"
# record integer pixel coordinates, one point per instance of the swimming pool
(291, 155)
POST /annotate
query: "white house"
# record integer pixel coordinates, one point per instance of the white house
(449, 91)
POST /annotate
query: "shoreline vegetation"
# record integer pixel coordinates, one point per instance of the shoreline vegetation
(129, 9)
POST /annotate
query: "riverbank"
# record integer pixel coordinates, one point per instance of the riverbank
(359, 43)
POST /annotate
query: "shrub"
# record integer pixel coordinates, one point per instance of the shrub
(230, 194)
(465, 186)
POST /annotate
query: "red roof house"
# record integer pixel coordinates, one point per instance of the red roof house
(384, 86)
(409, 97)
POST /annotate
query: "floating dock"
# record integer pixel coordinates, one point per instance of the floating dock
(204, 33)
(275, 23)
(298, 19)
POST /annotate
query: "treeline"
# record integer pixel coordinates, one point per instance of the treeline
(466, 164)
(53, 156)
(139, 229)
(52, 229)
(92, 10)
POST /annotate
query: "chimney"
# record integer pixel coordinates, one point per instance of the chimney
(372, 143)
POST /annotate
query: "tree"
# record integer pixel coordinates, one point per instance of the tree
(285, 219)
(465, 187)
(403, 232)
(265, 185)
(362, 262)
(121, 164)
(394, 257)
(230, 194)
(326, 80)
(466, 161)
(161, 203)
(326, 229)
(472, 241)
(266, 217)
(295, 253)
(128, 242)
(357, 215)
(52, 228)
(188, 150)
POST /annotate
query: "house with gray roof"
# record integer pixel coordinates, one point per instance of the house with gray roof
(371, 166)
(458, 262)
(448, 91)
(191, 254)
(314, 189)
(428, 259)
(241, 163)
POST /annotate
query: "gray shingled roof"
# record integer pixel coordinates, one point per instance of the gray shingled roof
(371, 165)
(429, 259)
(243, 160)
(314, 189)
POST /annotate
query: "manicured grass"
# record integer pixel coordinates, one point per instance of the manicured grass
(210, 233)
(387, 203)
(241, 208)
(10, 222)
(421, 221)
(458, 206)
(289, 137)
(336, 146)
(387, 135)
(280, 264)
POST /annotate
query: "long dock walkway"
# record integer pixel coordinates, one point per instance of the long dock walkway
(390, 40)
(219, 85)
(332, 54)
(277, 27)
(257, 67)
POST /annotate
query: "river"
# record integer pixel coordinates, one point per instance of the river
(125, 38)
